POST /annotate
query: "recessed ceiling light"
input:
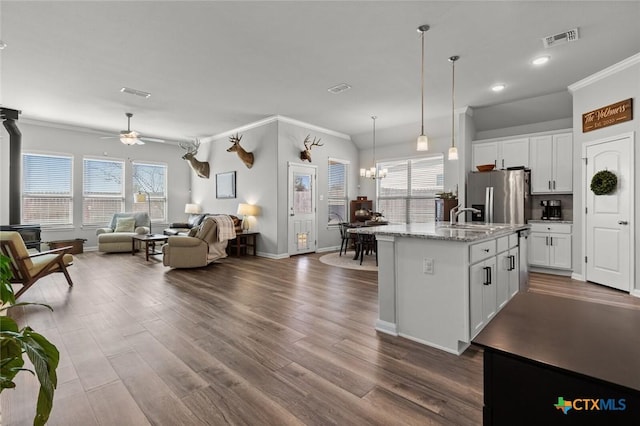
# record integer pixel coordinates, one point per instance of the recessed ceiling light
(541, 60)
(136, 92)
(498, 87)
(342, 87)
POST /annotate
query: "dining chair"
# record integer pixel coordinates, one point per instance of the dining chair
(346, 237)
(365, 244)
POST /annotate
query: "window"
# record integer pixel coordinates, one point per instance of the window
(151, 179)
(102, 190)
(47, 196)
(406, 195)
(337, 191)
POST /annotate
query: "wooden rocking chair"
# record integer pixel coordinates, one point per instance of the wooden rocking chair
(28, 267)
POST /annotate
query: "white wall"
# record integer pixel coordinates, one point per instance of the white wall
(49, 138)
(611, 87)
(274, 144)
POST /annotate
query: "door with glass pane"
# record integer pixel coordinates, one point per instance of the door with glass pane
(302, 209)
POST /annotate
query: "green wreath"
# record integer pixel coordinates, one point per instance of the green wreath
(604, 182)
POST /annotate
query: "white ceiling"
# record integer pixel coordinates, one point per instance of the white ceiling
(213, 66)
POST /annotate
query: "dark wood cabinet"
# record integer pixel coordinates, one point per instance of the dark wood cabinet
(357, 205)
(443, 207)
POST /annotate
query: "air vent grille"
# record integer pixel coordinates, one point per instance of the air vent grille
(136, 92)
(342, 87)
(554, 40)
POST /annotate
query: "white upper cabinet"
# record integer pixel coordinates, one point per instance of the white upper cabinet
(504, 154)
(551, 163)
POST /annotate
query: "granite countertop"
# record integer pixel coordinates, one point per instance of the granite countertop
(442, 231)
(569, 222)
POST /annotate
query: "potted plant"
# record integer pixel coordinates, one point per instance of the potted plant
(15, 343)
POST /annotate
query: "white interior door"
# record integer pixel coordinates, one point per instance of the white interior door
(302, 209)
(608, 227)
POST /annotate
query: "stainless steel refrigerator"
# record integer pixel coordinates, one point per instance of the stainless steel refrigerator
(502, 196)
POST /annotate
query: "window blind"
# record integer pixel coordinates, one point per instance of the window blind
(151, 178)
(337, 191)
(102, 190)
(47, 197)
(407, 194)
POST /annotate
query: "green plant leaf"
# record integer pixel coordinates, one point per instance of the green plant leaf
(45, 357)
(6, 289)
(11, 361)
(7, 324)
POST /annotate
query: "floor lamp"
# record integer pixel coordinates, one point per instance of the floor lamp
(141, 197)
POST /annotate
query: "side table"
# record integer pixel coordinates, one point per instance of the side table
(148, 240)
(242, 241)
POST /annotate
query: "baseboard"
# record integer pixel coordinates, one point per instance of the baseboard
(387, 327)
(578, 277)
(635, 292)
(326, 249)
(563, 272)
(462, 346)
(272, 256)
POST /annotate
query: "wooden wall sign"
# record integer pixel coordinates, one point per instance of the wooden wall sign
(608, 116)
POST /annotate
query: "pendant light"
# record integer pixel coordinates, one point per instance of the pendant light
(453, 151)
(422, 142)
(373, 172)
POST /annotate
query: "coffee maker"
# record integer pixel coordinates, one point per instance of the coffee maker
(551, 209)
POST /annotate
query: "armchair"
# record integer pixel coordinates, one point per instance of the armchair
(204, 247)
(27, 268)
(117, 236)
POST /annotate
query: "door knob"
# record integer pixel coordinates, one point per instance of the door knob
(623, 222)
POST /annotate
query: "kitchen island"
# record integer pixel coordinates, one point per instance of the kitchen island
(440, 284)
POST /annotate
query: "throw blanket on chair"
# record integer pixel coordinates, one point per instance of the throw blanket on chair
(226, 228)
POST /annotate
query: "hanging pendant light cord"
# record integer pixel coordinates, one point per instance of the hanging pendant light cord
(453, 109)
(374, 145)
(422, 85)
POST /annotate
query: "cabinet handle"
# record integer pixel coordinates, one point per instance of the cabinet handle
(546, 241)
(551, 238)
(549, 182)
(512, 263)
(503, 163)
(554, 184)
(485, 250)
(487, 275)
(623, 222)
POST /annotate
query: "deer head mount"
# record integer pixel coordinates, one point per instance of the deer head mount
(200, 167)
(306, 154)
(246, 157)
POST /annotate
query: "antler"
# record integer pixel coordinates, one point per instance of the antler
(235, 139)
(191, 147)
(314, 143)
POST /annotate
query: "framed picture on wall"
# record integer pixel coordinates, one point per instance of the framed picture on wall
(226, 185)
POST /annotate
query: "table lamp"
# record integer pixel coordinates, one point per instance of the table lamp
(247, 210)
(190, 208)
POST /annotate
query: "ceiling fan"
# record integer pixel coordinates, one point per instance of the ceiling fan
(131, 137)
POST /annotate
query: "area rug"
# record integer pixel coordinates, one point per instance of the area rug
(346, 261)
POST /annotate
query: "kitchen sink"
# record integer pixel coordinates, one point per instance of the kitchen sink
(480, 227)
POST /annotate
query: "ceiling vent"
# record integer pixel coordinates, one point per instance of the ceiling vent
(136, 92)
(557, 39)
(342, 87)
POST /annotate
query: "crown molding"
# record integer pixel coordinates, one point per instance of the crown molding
(277, 118)
(607, 72)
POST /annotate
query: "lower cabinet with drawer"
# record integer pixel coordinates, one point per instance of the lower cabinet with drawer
(493, 278)
(550, 245)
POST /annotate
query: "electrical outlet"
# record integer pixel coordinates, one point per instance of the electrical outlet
(427, 266)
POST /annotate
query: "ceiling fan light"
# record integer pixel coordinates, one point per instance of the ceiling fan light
(453, 153)
(128, 139)
(422, 144)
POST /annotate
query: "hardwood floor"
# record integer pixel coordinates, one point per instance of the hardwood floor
(246, 341)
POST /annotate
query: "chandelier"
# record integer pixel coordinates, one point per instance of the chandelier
(373, 172)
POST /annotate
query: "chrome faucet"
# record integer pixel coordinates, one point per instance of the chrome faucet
(457, 211)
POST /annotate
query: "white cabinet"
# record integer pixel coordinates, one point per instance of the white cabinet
(550, 246)
(507, 271)
(482, 294)
(493, 278)
(504, 153)
(551, 163)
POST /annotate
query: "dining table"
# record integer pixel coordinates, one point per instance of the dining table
(365, 240)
